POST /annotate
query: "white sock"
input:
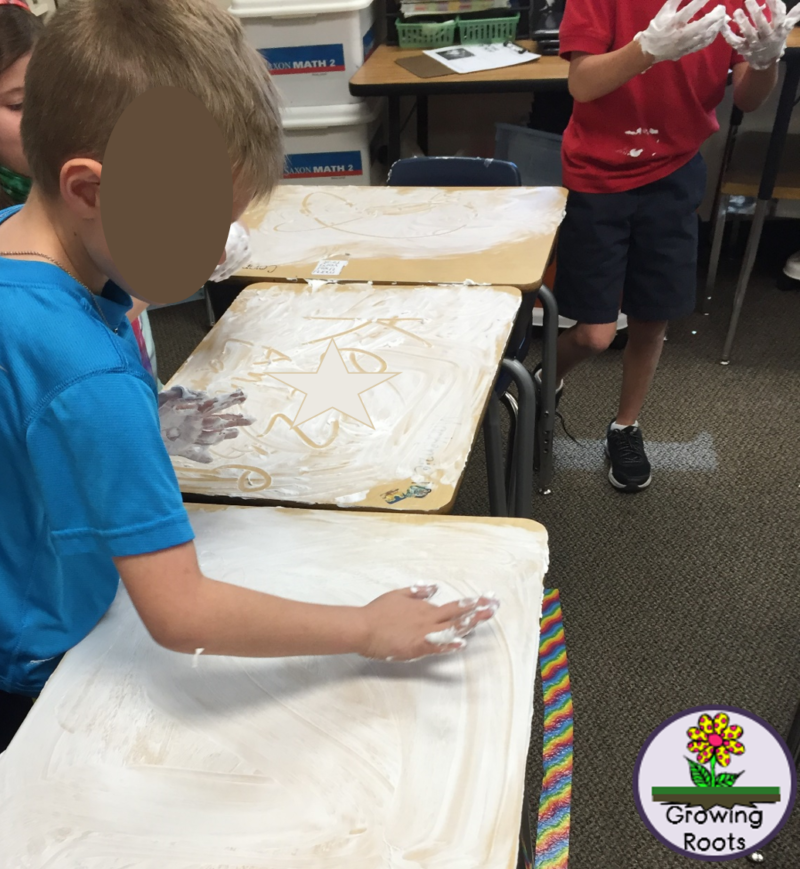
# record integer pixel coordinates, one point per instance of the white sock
(617, 427)
(538, 376)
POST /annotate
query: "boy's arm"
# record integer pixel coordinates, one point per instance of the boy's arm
(670, 35)
(592, 76)
(760, 42)
(184, 611)
(752, 86)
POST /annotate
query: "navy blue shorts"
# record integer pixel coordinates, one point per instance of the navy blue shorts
(634, 251)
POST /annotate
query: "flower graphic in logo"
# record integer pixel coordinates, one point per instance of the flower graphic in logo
(714, 741)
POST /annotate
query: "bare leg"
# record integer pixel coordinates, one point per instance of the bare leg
(580, 343)
(645, 343)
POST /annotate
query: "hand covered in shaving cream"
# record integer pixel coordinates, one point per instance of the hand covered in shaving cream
(761, 42)
(404, 626)
(191, 421)
(672, 34)
(237, 253)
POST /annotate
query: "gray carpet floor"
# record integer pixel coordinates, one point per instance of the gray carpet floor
(686, 594)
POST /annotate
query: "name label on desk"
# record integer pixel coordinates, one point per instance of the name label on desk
(303, 59)
(328, 267)
(329, 164)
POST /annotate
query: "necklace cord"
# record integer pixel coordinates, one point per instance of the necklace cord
(56, 263)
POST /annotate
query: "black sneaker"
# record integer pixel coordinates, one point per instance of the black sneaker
(630, 469)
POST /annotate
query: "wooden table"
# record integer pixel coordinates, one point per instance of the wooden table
(132, 756)
(444, 346)
(381, 76)
(406, 235)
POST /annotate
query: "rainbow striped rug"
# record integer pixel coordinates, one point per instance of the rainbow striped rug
(552, 834)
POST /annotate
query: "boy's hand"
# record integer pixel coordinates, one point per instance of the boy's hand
(192, 421)
(404, 626)
(760, 41)
(672, 34)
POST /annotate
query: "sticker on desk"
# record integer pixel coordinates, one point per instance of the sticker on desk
(393, 496)
(330, 267)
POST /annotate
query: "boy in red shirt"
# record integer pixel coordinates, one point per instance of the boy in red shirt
(645, 96)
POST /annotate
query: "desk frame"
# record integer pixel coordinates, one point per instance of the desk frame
(473, 83)
(769, 175)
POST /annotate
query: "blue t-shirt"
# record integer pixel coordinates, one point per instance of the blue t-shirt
(84, 474)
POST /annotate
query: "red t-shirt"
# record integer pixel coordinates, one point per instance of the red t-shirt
(653, 124)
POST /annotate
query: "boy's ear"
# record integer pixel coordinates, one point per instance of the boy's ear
(80, 187)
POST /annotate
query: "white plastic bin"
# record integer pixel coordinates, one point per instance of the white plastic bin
(330, 144)
(313, 47)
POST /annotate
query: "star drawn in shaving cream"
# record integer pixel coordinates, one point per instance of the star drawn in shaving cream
(332, 387)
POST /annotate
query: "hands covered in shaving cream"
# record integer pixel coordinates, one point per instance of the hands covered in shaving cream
(761, 42)
(672, 34)
(191, 421)
(404, 625)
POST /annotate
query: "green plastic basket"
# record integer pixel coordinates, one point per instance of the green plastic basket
(479, 31)
(431, 34)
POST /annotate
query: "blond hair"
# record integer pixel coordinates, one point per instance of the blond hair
(96, 56)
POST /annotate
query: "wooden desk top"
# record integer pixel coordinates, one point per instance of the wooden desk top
(132, 756)
(407, 235)
(442, 344)
(380, 75)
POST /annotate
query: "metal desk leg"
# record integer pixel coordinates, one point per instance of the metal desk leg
(547, 417)
(212, 317)
(526, 852)
(716, 251)
(522, 456)
(744, 275)
(394, 130)
(721, 202)
(519, 343)
(793, 739)
(422, 123)
(494, 458)
(510, 404)
(771, 165)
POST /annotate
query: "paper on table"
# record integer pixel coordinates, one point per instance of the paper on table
(477, 58)
(412, 8)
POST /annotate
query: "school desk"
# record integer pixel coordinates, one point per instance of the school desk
(138, 756)
(436, 349)
(414, 235)
(764, 189)
(405, 235)
(381, 76)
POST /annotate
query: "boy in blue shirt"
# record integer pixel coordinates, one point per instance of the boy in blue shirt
(88, 494)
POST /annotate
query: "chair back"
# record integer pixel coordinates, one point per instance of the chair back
(453, 172)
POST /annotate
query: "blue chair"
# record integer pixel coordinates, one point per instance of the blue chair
(453, 172)
(509, 491)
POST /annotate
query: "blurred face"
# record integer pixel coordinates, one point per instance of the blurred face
(12, 84)
(95, 241)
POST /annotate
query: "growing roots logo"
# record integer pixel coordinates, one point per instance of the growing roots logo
(726, 801)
